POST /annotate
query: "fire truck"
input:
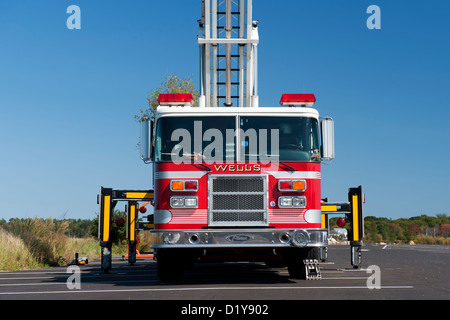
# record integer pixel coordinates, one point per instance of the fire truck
(233, 181)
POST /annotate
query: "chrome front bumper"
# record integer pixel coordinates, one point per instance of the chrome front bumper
(232, 238)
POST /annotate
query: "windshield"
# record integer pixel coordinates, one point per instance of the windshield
(213, 139)
(288, 139)
(195, 139)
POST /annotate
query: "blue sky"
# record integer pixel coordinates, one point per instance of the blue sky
(68, 97)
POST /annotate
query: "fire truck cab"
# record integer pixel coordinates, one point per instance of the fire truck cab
(237, 184)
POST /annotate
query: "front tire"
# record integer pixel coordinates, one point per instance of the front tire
(170, 264)
(295, 264)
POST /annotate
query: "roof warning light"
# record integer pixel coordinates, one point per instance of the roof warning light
(298, 100)
(176, 99)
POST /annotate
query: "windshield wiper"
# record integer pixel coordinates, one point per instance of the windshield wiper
(284, 164)
(202, 165)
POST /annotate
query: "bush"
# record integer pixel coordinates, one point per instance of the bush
(421, 229)
(14, 254)
(45, 240)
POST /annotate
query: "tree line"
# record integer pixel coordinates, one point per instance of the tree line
(420, 229)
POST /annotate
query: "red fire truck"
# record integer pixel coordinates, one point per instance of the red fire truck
(238, 182)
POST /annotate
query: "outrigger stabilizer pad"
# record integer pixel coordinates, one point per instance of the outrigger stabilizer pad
(312, 269)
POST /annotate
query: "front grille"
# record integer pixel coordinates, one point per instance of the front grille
(227, 184)
(237, 201)
(238, 216)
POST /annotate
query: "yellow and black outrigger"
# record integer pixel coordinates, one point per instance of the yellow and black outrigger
(107, 200)
(354, 213)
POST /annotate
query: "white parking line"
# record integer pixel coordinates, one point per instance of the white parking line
(83, 275)
(199, 289)
(84, 282)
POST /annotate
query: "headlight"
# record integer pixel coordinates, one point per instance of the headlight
(285, 201)
(190, 202)
(176, 202)
(184, 202)
(299, 202)
(292, 202)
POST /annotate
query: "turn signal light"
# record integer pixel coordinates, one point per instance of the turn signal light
(177, 185)
(299, 185)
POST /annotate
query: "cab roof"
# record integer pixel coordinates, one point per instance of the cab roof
(223, 111)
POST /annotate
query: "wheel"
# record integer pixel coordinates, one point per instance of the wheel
(295, 264)
(296, 269)
(169, 264)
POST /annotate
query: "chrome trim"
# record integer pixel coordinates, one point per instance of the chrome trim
(194, 238)
(297, 175)
(285, 237)
(179, 175)
(231, 238)
(300, 238)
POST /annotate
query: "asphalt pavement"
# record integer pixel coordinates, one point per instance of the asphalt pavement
(388, 272)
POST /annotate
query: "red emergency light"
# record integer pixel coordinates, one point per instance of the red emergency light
(176, 99)
(303, 100)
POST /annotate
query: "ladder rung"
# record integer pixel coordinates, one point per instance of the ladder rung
(222, 27)
(224, 12)
(221, 69)
(224, 83)
(224, 56)
(232, 97)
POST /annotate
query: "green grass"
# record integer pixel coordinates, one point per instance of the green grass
(14, 254)
(36, 243)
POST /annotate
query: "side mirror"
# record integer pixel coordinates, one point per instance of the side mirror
(327, 128)
(146, 139)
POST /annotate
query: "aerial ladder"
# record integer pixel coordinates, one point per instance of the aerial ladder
(228, 50)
